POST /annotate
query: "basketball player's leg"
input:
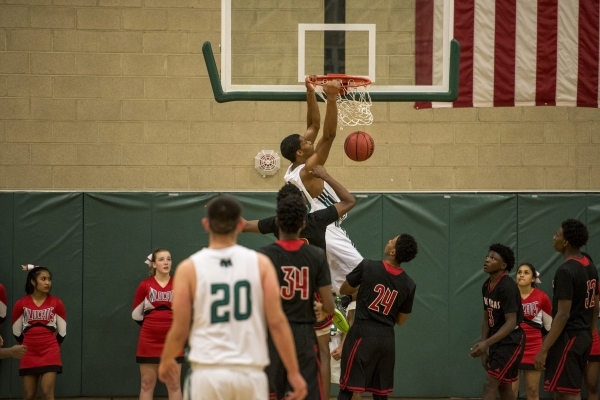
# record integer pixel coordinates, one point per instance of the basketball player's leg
(515, 387)
(592, 372)
(341, 255)
(226, 383)
(30, 385)
(323, 338)
(174, 391)
(148, 374)
(565, 364)
(47, 382)
(532, 384)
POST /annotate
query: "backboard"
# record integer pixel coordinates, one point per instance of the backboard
(269, 46)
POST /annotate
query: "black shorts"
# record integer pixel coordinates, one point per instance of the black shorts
(368, 359)
(505, 357)
(309, 362)
(566, 362)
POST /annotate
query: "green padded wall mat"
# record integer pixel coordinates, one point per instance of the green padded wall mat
(118, 237)
(476, 221)
(424, 336)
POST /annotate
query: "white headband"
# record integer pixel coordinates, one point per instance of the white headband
(29, 267)
(149, 260)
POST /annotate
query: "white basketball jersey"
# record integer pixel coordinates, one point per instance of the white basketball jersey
(327, 198)
(229, 324)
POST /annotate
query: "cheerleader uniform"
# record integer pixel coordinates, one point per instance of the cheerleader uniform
(595, 352)
(152, 310)
(42, 329)
(537, 314)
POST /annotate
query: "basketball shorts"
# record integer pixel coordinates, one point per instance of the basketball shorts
(595, 352)
(342, 256)
(307, 351)
(566, 362)
(225, 382)
(505, 357)
(368, 359)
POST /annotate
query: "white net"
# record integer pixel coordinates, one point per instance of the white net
(354, 105)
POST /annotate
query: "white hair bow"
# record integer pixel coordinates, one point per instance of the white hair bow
(149, 260)
(537, 277)
(29, 267)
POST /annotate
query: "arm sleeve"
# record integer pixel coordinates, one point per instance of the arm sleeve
(138, 303)
(3, 305)
(324, 277)
(17, 321)
(406, 306)
(61, 321)
(324, 217)
(267, 225)
(563, 285)
(355, 277)
(546, 312)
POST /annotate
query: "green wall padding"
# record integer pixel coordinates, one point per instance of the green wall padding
(475, 223)
(7, 267)
(95, 244)
(118, 237)
(425, 217)
(48, 232)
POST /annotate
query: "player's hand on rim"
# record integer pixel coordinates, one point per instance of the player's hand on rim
(310, 82)
(332, 88)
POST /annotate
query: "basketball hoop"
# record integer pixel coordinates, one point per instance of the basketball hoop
(353, 100)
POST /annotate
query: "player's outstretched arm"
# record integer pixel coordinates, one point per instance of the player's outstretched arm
(329, 127)
(250, 226)
(184, 287)
(279, 327)
(347, 201)
(313, 115)
(558, 324)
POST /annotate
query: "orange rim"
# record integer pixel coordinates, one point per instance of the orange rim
(347, 81)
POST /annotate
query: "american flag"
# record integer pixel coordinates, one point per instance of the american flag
(516, 52)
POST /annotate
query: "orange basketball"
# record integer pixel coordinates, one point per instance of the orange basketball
(359, 146)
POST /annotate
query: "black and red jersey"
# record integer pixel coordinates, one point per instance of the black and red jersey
(576, 280)
(302, 269)
(314, 232)
(3, 304)
(501, 298)
(385, 291)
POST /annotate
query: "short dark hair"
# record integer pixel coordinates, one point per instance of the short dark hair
(32, 276)
(508, 256)
(291, 213)
(406, 248)
(223, 213)
(575, 232)
(289, 189)
(289, 146)
(532, 269)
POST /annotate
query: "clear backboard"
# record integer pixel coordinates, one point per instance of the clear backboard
(269, 46)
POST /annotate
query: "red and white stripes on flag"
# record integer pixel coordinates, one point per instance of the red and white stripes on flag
(516, 53)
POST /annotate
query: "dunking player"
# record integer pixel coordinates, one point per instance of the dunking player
(222, 297)
(303, 272)
(385, 298)
(567, 346)
(341, 254)
(314, 233)
(500, 331)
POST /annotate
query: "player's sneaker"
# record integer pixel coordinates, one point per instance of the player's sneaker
(340, 322)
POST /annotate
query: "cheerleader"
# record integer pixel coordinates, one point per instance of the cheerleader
(39, 324)
(537, 315)
(3, 303)
(152, 310)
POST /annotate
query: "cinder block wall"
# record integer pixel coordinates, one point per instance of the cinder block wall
(114, 95)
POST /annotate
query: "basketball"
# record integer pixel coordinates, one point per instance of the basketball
(359, 146)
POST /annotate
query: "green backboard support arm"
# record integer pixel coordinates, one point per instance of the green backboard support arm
(222, 97)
